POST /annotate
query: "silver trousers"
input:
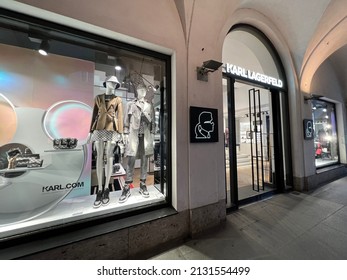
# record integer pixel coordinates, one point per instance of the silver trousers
(131, 164)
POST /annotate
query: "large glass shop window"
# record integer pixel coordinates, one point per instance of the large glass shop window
(325, 133)
(83, 127)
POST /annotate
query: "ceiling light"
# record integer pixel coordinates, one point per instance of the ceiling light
(117, 67)
(44, 47)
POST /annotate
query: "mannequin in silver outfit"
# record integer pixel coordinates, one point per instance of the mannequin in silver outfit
(105, 131)
(138, 135)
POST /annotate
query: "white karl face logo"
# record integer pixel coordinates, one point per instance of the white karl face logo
(205, 126)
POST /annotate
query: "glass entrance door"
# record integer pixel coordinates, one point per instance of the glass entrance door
(249, 141)
(254, 140)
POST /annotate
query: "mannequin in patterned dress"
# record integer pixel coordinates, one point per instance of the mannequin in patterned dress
(106, 130)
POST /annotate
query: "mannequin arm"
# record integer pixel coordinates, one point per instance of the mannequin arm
(89, 137)
(125, 137)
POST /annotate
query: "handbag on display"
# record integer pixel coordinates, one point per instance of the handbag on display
(34, 162)
(65, 143)
(116, 168)
(13, 152)
(21, 162)
(29, 161)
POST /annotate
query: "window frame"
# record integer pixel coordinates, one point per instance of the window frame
(337, 133)
(104, 219)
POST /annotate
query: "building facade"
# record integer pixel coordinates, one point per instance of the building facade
(270, 117)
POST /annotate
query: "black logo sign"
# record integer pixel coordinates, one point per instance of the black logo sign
(308, 129)
(203, 125)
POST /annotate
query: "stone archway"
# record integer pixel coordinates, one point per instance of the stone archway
(330, 36)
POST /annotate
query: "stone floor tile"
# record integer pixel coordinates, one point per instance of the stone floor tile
(293, 226)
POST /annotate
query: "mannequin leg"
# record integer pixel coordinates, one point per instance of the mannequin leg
(144, 165)
(109, 163)
(99, 146)
(108, 170)
(130, 170)
(128, 180)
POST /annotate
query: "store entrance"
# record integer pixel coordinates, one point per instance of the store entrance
(254, 140)
(249, 141)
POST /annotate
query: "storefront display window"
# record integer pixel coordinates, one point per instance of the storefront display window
(325, 133)
(84, 126)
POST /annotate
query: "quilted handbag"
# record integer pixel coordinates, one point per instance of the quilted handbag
(28, 160)
(65, 143)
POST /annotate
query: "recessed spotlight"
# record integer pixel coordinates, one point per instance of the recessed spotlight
(44, 47)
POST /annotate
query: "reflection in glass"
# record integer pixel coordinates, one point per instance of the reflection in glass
(325, 133)
(54, 96)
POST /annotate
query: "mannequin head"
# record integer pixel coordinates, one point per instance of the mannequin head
(110, 86)
(141, 92)
(111, 83)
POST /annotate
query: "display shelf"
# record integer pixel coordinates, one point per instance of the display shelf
(4, 182)
(21, 169)
(62, 150)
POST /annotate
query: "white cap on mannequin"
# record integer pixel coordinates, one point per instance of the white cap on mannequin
(112, 79)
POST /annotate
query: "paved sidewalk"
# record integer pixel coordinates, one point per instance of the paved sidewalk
(291, 226)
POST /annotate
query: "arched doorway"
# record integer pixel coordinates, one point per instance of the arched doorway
(256, 121)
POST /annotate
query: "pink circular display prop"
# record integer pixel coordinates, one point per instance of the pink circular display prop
(68, 119)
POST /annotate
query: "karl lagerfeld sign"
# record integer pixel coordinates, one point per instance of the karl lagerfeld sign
(251, 75)
(203, 125)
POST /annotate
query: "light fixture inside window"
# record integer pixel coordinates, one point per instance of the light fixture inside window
(44, 47)
(155, 88)
(118, 68)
